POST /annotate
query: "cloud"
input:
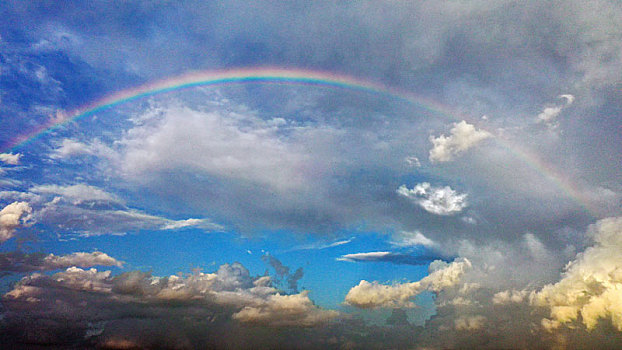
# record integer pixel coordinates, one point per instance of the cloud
(412, 161)
(590, 287)
(89, 210)
(391, 257)
(580, 310)
(285, 310)
(436, 200)
(69, 148)
(77, 194)
(22, 262)
(198, 223)
(283, 273)
(462, 137)
(412, 239)
(549, 114)
(372, 295)
(105, 220)
(241, 147)
(228, 300)
(80, 259)
(11, 217)
(320, 246)
(10, 158)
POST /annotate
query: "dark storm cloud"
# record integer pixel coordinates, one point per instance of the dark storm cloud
(147, 311)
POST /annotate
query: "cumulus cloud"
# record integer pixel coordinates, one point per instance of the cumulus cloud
(372, 295)
(11, 217)
(462, 137)
(78, 300)
(590, 289)
(581, 310)
(285, 310)
(23, 262)
(436, 200)
(10, 158)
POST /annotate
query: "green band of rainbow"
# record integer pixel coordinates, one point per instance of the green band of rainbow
(298, 77)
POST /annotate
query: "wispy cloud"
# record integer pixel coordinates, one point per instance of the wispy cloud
(392, 257)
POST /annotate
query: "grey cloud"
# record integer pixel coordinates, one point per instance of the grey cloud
(283, 272)
(218, 301)
(27, 262)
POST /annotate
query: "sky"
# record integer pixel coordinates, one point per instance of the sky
(311, 175)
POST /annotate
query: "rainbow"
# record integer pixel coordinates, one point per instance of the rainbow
(294, 77)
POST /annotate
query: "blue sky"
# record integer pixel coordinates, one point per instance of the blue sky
(480, 179)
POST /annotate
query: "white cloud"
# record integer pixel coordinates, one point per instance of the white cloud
(549, 114)
(436, 200)
(22, 262)
(70, 148)
(10, 158)
(89, 210)
(79, 259)
(372, 295)
(411, 239)
(77, 194)
(370, 256)
(231, 146)
(199, 223)
(591, 285)
(285, 310)
(11, 217)
(412, 161)
(391, 257)
(463, 136)
(322, 245)
(94, 221)
(569, 98)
